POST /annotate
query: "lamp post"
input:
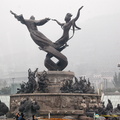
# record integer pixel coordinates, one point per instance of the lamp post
(13, 84)
(105, 84)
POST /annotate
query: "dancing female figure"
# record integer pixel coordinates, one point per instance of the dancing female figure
(66, 27)
(62, 42)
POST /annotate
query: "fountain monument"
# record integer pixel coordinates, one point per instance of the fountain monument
(53, 92)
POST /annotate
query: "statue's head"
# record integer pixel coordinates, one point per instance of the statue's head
(68, 17)
(32, 17)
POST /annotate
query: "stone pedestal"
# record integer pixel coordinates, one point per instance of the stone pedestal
(56, 79)
(54, 102)
(57, 104)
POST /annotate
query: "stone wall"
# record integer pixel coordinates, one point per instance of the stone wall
(57, 103)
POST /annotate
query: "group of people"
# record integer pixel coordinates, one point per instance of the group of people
(22, 117)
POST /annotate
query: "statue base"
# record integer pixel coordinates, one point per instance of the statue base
(55, 103)
(56, 79)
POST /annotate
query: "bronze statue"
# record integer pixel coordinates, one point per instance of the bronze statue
(79, 86)
(66, 27)
(31, 85)
(42, 82)
(53, 49)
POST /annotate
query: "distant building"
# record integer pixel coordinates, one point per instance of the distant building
(15, 77)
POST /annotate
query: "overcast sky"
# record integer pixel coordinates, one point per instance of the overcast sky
(95, 47)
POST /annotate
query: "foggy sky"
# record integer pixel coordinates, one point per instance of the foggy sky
(94, 48)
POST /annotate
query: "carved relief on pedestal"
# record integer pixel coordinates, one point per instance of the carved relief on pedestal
(62, 102)
(24, 105)
(14, 106)
(79, 103)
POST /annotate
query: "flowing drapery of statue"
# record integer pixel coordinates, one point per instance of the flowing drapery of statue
(53, 49)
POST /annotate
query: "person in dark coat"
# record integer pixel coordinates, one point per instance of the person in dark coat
(21, 117)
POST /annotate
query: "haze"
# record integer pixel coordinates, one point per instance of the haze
(93, 49)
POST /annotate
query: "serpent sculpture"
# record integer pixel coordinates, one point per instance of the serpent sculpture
(53, 49)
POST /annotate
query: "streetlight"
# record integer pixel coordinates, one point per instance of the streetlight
(13, 83)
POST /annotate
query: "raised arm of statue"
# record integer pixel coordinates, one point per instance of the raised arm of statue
(74, 20)
(13, 13)
(35, 71)
(78, 14)
(18, 17)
